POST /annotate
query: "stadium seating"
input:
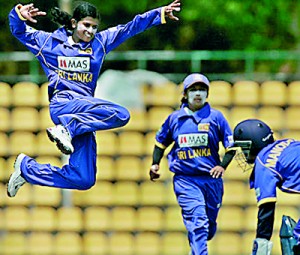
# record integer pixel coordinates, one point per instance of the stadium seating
(245, 93)
(126, 213)
(5, 95)
(105, 168)
(96, 218)
(273, 93)
(123, 218)
(147, 243)
(128, 168)
(149, 218)
(220, 94)
(25, 94)
(107, 143)
(121, 243)
(5, 123)
(95, 243)
(40, 243)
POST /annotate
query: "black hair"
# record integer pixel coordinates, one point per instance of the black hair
(81, 11)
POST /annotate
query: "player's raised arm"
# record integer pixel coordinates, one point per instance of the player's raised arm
(28, 12)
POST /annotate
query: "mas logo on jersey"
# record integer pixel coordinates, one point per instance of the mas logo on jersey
(203, 127)
(192, 140)
(74, 64)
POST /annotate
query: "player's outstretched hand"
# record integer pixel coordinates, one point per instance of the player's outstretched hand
(174, 6)
(154, 172)
(217, 172)
(28, 12)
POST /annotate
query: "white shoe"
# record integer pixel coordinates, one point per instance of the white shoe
(61, 136)
(16, 181)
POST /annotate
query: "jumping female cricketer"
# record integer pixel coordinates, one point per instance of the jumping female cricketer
(72, 58)
(195, 131)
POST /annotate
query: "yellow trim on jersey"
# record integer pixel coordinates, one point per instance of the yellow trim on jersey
(17, 8)
(163, 16)
(267, 200)
(160, 145)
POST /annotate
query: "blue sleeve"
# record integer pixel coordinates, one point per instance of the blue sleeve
(264, 182)
(114, 36)
(31, 38)
(164, 135)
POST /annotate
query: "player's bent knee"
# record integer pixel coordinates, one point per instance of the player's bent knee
(86, 184)
(123, 116)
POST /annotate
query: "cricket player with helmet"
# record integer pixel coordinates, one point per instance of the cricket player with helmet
(276, 164)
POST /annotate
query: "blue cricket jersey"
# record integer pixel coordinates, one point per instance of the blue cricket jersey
(196, 139)
(276, 166)
(77, 67)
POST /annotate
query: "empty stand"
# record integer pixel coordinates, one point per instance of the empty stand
(23, 198)
(220, 93)
(131, 143)
(44, 101)
(152, 193)
(4, 148)
(173, 220)
(5, 123)
(293, 92)
(125, 193)
(40, 243)
(292, 120)
(128, 168)
(44, 118)
(123, 218)
(67, 243)
(174, 243)
(149, 219)
(5, 94)
(69, 219)
(101, 194)
(240, 113)
(46, 196)
(148, 243)
(16, 218)
(137, 121)
(245, 93)
(25, 119)
(226, 243)
(105, 168)
(95, 243)
(13, 243)
(107, 143)
(25, 94)
(162, 95)
(273, 116)
(235, 193)
(273, 93)
(121, 243)
(45, 147)
(22, 141)
(43, 218)
(231, 218)
(97, 218)
(156, 117)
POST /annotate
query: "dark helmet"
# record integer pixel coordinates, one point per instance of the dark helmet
(252, 135)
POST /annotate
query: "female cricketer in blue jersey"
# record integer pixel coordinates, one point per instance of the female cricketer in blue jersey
(72, 57)
(276, 165)
(195, 131)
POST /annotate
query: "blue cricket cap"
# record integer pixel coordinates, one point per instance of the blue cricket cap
(194, 78)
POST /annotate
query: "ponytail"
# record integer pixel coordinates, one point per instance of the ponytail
(83, 10)
(61, 17)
